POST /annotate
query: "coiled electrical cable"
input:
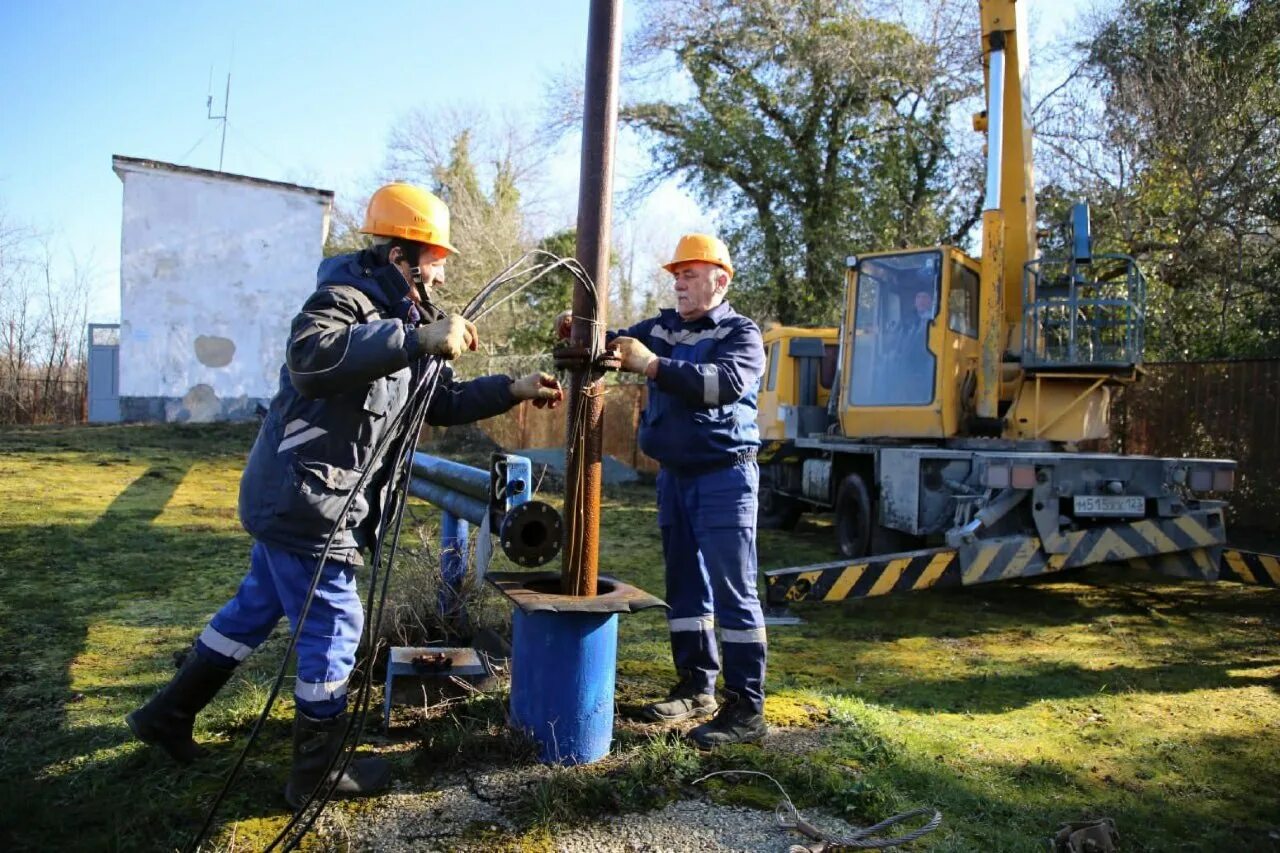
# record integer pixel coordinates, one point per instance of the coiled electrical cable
(474, 310)
(416, 410)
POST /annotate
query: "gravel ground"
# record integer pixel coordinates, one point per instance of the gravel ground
(452, 818)
(469, 812)
(686, 825)
(462, 804)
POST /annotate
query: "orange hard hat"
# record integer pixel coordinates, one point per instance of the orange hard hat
(700, 247)
(408, 212)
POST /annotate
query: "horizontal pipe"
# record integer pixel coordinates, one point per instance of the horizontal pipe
(460, 478)
(463, 506)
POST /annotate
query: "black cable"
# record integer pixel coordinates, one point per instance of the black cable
(428, 384)
(474, 310)
(431, 373)
(355, 722)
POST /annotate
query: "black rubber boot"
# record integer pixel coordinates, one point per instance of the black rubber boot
(684, 702)
(315, 743)
(736, 722)
(167, 719)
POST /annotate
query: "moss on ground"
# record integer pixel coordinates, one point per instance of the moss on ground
(1012, 708)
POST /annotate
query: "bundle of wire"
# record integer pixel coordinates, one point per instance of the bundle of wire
(402, 434)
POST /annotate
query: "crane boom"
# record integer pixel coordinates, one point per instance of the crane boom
(960, 391)
(1009, 207)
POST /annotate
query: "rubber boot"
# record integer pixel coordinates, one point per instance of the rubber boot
(315, 743)
(167, 719)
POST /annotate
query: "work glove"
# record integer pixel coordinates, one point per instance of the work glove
(636, 357)
(564, 325)
(542, 388)
(447, 338)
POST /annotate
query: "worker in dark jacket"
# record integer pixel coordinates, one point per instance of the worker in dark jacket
(703, 362)
(354, 352)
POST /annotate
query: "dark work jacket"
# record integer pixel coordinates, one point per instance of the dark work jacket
(348, 371)
(702, 404)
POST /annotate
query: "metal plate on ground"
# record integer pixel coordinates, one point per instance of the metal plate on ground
(1111, 505)
(436, 660)
(425, 675)
(776, 616)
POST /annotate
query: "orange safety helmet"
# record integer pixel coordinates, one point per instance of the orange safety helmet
(408, 212)
(700, 247)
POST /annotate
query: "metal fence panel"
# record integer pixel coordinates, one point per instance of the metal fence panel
(1219, 409)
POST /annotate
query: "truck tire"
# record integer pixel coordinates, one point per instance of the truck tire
(855, 519)
(776, 511)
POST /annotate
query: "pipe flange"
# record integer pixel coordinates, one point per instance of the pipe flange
(571, 357)
(535, 592)
(531, 534)
(579, 358)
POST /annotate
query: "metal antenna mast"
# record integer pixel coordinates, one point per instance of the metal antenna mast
(223, 118)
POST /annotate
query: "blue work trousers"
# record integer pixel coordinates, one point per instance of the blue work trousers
(708, 524)
(276, 586)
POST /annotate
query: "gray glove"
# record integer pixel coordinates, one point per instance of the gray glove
(542, 388)
(447, 338)
(564, 325)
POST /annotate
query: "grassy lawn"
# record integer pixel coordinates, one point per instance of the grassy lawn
(1012, 708)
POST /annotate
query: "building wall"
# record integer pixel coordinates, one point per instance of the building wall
(213, 268)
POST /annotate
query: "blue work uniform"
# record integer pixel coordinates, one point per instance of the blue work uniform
(700, 425)
(349, 366)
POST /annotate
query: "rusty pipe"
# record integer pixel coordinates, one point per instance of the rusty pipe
(585, 409)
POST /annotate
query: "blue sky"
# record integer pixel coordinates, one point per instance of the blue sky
(315, 89)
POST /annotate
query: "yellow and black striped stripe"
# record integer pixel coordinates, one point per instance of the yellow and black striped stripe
(1186, 546)
(1019, 556)
(1196, 563)
(1249, 567)
(871, 576)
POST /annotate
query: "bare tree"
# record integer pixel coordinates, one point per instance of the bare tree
(62, 337)
(487, 168)
(42, 330)
(18, 331)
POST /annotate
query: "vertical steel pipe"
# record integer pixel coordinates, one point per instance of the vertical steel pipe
(585, 409)
(454, 536)
(995, 128)
(991, 314)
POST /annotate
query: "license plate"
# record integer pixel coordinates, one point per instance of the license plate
(1110, 505)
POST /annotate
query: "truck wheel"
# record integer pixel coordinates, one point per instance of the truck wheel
(776, 511)
(853, 521)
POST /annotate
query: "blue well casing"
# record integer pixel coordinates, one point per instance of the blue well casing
(562, 682)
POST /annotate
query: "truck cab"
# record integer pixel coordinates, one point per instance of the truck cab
(911, 349)
(800, 369)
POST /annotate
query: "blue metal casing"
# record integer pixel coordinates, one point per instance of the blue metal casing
(562, 682)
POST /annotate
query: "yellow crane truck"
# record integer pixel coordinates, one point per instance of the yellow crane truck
(946, 421)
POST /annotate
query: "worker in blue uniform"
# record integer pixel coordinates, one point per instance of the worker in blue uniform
(354, 354)
(703, 362)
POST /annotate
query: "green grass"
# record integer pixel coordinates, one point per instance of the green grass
(1012, 708)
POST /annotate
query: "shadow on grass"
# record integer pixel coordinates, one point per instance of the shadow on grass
(1214, 630)
(1004, 690)
(1161, 798)
(1073, 599)
(66, 784)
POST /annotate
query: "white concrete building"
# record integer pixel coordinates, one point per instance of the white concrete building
(213, 267)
